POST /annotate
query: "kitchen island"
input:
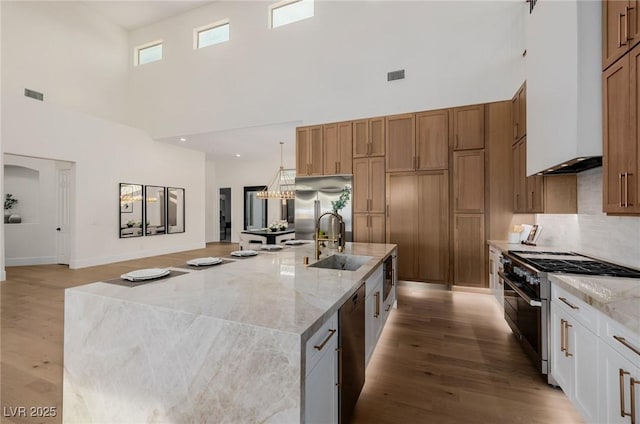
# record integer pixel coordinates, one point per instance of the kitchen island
(226, 344)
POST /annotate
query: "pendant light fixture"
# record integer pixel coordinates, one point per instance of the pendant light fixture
(282, 186)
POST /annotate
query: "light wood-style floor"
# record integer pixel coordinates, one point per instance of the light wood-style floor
(444, 357)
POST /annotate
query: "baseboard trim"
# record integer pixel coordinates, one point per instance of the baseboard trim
(424, 286)
(478, 290)
(84, 263)
(3, 275)
(36, 260)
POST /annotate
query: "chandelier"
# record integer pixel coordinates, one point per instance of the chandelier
(282, 186)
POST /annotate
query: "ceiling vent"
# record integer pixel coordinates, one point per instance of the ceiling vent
(33, 94)
(395, 75)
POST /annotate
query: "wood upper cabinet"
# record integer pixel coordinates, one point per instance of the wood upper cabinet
(401, 142)
(519, 177)
(620, 29)
(469, 250)
(621, 137)
(338, 148)
(468, 127)
(369, 228)
(432, 140)
(519, 113)
(468, 181)
(309, 151)
(368, 137)
(368, 185)
(418, 222)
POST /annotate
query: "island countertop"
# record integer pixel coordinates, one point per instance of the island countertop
(274, 290)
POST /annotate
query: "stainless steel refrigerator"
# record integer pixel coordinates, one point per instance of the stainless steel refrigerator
(314, 196)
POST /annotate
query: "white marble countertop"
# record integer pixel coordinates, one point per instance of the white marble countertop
(617, 298)
(273, 290)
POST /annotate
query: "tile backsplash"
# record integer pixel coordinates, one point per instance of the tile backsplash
(591, 232)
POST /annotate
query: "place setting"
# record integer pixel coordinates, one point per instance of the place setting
(198, 264)
(144, 276)
(243, 254)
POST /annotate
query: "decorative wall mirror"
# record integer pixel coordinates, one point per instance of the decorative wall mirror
(175, 210)
(131, 213)
(155, 210)
(255, 210)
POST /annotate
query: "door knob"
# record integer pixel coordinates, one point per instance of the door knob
(58, 229)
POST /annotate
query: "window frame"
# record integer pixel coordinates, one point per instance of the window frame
(284, 3)
(213, 25)
(138, 49)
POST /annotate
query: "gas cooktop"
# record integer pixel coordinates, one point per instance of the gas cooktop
(572, 263)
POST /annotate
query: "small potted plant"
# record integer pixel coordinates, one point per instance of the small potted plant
(9, 203)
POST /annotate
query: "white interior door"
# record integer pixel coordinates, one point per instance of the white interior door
(63, 240)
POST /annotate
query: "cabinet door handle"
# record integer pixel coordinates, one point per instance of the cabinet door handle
(620, 191)
(387, 308)
(339, 383)
(387, 210)
(632, 395)
(515, 131)
(627, 344)
(324, 342)
(626, 189)
(457, 140)
(562, 348)
(622, 373)
(336, 167)
(376, 312)
(566, 336)
(566, 302)
(626, 25)
(414, 162)
(518, 201)
(620, 43)
(418, 162)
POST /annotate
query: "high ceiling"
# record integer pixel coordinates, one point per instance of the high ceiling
(132, 15)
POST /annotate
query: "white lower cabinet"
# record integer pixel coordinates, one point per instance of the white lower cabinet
(574, 355)
(321, 390)
(617, 376)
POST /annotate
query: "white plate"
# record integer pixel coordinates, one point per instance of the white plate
(244, 253)
(145, 274)
(204, 261)
(294, 242)
(271, 247)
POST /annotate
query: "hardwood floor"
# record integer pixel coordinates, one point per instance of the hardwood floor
(444, 357)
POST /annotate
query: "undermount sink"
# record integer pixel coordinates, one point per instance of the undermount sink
(342, 262)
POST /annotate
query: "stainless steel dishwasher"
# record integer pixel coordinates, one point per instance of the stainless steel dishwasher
(351, 348)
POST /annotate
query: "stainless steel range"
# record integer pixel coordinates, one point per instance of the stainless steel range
(527, 294)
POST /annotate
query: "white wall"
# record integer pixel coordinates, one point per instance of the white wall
(564, 94)
(613, 238)
(106, 154)
(33, 182)
(77, 58)
(327, 68)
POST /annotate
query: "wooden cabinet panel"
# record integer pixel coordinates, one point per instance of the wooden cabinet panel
(345, 148)
(309, 151)
(401, 154)
(368, 185)
(468, 181)
(376, 136)
(360, 138)
(433, 227)
(377, 228)
(432, 140)
(634, 22)
(535, 192)
(338, 148)
(468, 127)
(369, 228)
(632, 179)
(519, 113)
(402, 222)
(418, 222)
(519, 178)
(618, 29)
(376, 185)
(515, 116)
(560, 194)
(620, 155)
(469, 249)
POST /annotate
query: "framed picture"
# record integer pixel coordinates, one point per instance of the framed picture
(533, 234)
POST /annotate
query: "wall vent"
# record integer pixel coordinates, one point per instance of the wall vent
(33, 94)
(395, 75)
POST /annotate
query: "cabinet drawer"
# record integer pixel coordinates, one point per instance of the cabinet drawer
(319, 342)
(620, 338)
(586, 314)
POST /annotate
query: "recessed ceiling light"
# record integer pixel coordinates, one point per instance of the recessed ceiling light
(183, 139)
(237, 155)
(565, 164)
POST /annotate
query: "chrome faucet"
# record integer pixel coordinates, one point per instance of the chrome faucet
(340, 239)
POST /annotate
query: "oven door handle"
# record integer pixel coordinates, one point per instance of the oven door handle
(531, 302)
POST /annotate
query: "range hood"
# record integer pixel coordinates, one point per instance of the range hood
(574, 166)
(564, 87)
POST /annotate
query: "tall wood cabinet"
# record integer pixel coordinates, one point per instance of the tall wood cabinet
(368, 137)
(468, 181)
(338, 148)
(519, 115)
(309, 151)
(418, 222)
(621, 83)
(469, 247)
(401, 142)
(528, 192)
(369, 199)
(468, 127)
(620, 30)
